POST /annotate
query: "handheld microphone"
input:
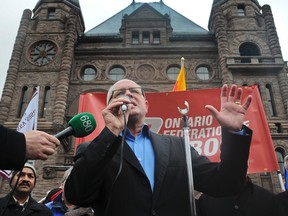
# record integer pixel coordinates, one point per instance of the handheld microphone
(125, 106)
(80, 125)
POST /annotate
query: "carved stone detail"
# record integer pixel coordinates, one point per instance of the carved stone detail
(145, 72)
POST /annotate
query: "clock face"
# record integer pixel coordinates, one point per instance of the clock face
(42, 52)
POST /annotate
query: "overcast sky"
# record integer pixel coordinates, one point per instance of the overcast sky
(95, 13)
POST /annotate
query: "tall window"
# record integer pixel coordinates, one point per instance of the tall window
(45, 101)
(23, 102)
(280, 158)
(241, 10)
(156, 37)
(135, 37)
(51, 13)
(270, 100)
(146, 37)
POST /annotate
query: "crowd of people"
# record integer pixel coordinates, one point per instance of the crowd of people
(130, 170)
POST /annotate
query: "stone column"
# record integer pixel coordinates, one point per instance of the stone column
(275, 48)
(66, 68)
(222, 44)
(9, 86)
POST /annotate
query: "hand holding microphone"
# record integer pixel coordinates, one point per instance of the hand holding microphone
(40, 145)
(124, 106)
(113, 113)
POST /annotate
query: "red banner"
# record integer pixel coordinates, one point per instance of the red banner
(205, 134)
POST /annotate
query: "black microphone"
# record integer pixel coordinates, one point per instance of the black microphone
(80, 125)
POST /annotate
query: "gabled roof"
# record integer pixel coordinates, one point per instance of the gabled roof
(180, 24)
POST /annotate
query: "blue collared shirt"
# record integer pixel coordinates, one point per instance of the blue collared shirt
(143, 149)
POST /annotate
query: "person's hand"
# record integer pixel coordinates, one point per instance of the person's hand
(232, 112)
(113, 115)
(40, 145)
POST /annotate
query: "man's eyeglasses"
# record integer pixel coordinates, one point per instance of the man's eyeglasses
(117, 93)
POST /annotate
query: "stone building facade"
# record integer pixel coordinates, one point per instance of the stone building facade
(143, 42)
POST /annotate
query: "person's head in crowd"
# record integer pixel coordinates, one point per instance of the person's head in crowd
(64, 178)
(59, 205)
(20, 201)
(26, 182)
(52, 194)
(66, 174)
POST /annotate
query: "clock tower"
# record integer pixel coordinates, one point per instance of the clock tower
(43, 55)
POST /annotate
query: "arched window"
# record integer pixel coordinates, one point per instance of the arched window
(116, 73)
(270, 100)
(45, 101)
(89, 73)
(280, 158)
(173, 71)
(203, 72)
(23, 102)
(248, 49)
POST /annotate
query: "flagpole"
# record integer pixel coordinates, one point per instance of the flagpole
(182, 62)
(188, 158)
(281, 180)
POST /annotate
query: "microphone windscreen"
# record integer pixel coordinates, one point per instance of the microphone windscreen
(83, 124)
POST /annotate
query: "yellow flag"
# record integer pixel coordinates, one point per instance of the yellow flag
(180, 84)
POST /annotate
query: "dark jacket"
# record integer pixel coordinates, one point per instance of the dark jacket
(33, 208)
(92, 178)
(283, 197)
(13, 149)
(252, 201)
